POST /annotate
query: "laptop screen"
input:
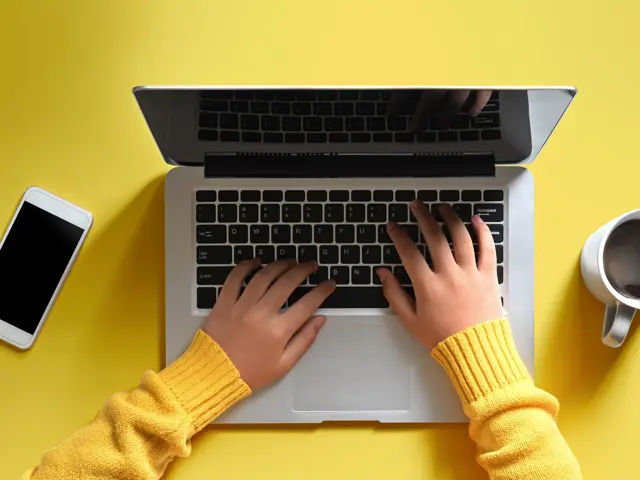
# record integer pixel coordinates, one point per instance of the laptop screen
(510, 125)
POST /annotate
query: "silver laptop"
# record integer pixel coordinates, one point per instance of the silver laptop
(315, 173)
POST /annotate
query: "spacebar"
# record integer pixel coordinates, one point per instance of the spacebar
(348, 297)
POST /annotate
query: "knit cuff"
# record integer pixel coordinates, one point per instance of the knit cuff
(205, 381)
(481, 359)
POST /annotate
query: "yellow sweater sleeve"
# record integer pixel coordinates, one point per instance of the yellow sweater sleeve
(137, 434)
(511, 421)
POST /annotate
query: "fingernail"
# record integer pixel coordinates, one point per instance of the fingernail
(476, 219)
(392, 225)
(381, 275)
(415, 203)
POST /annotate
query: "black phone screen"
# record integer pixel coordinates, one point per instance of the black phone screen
(33, 259)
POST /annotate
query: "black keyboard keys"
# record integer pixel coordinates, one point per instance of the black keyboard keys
(238, 234)
(266, 253)
(372, 254)
(206, 213)
(212, 275)
(211, 234)
(214, 255)
(323, 234)
(366, 233)
(345, 234)
(489, 212)
(270, 212)
(248, 213)
(206, 297)
(291, 213)
(377, 213)
(281, 233)
(361, 275)
(340, 274)
(259, 233)
(350, 254)
(302, 234)
(329, 254)
(227, 213)
(334, 212)
(242, 252)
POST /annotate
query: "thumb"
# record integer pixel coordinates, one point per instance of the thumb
(399, 300)
(301, 341)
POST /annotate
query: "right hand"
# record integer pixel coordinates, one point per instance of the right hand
(261, 340)
(453, 295)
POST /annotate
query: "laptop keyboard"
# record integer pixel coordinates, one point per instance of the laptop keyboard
(343, 230)
(332, 116)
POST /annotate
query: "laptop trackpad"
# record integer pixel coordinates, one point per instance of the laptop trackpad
(356, 364)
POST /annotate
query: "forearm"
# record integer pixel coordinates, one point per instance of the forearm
(512, 421)
(137, 434)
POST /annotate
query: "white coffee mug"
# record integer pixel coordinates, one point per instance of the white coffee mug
(620, 306)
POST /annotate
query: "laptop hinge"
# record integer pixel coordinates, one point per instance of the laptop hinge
(348, 165)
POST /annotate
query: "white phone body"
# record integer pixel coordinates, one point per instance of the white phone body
(17, 330)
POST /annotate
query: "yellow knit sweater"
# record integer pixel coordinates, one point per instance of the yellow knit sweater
(137, 434)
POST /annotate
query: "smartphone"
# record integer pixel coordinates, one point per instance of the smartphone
(36, 254)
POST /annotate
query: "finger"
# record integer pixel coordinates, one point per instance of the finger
(400, 302)
(462, 244)
(297, 314)
(411, 257)
(482, 97)
(282, 289)
(261, 282)
(433, 236)
(233, 282)
(453, 105)
(429, 104)
(486, 246)
(301, 342)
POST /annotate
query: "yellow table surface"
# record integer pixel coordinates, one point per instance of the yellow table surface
(69, 123)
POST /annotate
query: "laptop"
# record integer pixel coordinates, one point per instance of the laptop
(315, 173)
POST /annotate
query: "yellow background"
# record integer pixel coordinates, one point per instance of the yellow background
(69, 123)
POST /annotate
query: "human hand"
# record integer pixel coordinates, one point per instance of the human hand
(443, 105)
(453, 295)
(262, 341)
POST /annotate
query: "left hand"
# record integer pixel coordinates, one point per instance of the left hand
(263, 341)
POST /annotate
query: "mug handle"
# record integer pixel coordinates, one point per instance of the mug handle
(617, 322)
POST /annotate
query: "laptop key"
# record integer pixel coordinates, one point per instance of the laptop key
(214, 105)
(340, 274)
(405, 195)
(312, 212)
(291, 124)
(398, 212)
(294, 138)
(447, 136)
(383, 195)
(377, 212)
(493, 195)
(312, 124)
(376, 124)
(397, 124)
(463, 210)
(341, 109)
(339, 196)
(406, 137)
(206, 297)
(489, 212)
(376, 278)
(319, 276)
(390, 255)
(229, 121)
(350, 254)
(322, 108)
(323, 233)
(269, 212)
(259, 107)
(413, 232)
(269, 137)
(214, 255)
(428, 195)
(302, 234)
(334, 213)
(486, 120)
(302, 109)
(364, 109)
(426, 137)
(250, 195)
(291, 213)
(238, 106)
(227, 136)
(227, 213)
(354, 124)
(371, 254)
(294, 195)
(499, 253)
(382, 137)
(329, 254)
(286, 252)
(333, 124)
(206, 195)
(270, 123)
(206, 213)
(228, 196)
(316, 195)
(252, 137)
(238, 234)
(469, 135)
(212, 275)
(345, 234)
(491, 135)
(259, 233)
(401, 274)
(383, 235)
(356, 212)
(208, 120)
(281, 233)
(317, 137)
(280, 108)
(361, 195)
(471, 195)
(497, 231)
(266, 253)
(248, 213)
(449, 195)
(361, 275)
(338, 138)
(307, 253)
(242, 252)
(272, 195)
(360, 137)
(366, 233)
(211, 234)
(500, 274)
